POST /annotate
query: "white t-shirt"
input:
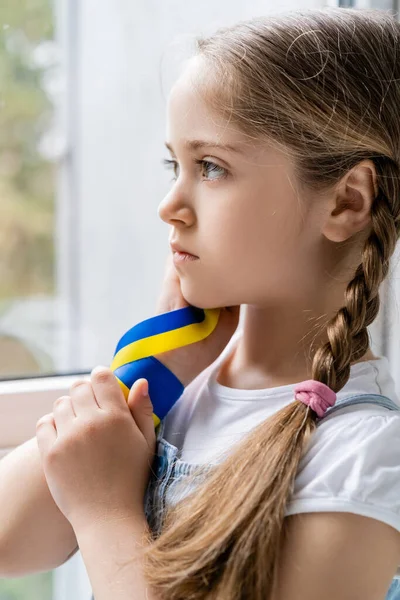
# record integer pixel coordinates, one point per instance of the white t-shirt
(352, 463)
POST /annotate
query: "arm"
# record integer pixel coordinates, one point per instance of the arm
(34, 534)
(326, 555)
(335, 555)
(112, 555)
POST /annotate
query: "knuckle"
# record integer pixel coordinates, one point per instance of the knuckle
(148, 411)
(59, 401)
(90, 427)
(93, 428)
(114, 419)
(101, 376)
(44, 419)
(54, 455)
(78, 383)
(120, 421)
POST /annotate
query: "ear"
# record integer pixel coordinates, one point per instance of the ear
(351, 203)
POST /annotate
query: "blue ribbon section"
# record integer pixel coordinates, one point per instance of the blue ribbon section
(164, 387)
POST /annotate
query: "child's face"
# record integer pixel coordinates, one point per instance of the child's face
(238, 212)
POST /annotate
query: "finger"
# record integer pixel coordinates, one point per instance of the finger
(63, 413)
(106, 389)
(46, 434)
(142, 410)
(83, 399)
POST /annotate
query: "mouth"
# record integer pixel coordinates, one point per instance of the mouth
(183, 257)
(180, 252)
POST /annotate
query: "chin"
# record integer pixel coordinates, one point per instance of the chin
(200, 299)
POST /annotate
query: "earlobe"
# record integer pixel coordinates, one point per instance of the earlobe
(352, 202)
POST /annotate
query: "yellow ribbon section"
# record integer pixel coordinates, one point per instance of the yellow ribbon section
(169, 340)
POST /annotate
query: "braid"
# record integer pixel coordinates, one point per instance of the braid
(347, 331)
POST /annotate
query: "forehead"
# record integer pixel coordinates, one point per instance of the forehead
(189, 115)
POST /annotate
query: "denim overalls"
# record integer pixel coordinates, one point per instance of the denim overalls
(167, 479)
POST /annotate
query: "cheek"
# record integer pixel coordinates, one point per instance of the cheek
(250, 238)
(248, 252)
(260, 252)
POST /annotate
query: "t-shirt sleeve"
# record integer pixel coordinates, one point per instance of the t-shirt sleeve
(352, 464)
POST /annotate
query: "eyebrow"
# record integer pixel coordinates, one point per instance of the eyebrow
(196, 144)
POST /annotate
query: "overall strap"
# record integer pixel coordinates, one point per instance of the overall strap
(376, 399)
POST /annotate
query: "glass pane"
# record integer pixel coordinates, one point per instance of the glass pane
(29, 149)
(33, 587)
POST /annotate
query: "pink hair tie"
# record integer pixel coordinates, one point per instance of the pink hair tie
(315, 394)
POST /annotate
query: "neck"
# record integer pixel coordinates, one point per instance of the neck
(276, 348)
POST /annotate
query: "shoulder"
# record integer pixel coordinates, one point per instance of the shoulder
(336, 555)
(352, 464)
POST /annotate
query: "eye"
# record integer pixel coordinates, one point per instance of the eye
(210, 168)
(172, 165)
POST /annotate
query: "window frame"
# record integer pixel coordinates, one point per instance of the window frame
(24, 401)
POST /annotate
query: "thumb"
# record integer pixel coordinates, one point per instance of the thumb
(141, 408)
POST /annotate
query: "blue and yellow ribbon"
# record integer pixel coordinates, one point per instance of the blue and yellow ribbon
(134, 354)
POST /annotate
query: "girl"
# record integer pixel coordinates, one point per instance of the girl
(285, 145)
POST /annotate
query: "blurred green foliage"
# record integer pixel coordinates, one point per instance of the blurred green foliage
(27, 179)
(33, 587)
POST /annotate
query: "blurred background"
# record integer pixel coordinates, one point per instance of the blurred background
(83, 85)
(29, 77)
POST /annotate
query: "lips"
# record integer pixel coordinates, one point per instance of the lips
(180, 258)
(178, 248)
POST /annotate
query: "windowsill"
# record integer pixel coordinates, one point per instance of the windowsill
(24, 401)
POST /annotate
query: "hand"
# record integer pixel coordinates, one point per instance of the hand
(187, 362)
(97, 449)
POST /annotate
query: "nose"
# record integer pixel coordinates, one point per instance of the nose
(175, 210)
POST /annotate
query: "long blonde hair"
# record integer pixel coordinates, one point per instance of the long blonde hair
(325, 85)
